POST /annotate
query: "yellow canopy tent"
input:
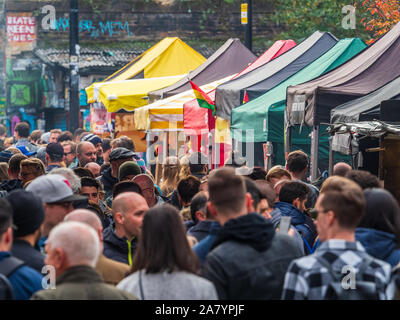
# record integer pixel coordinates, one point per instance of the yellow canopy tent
(167, 114)
(129, 94)
(169, 57)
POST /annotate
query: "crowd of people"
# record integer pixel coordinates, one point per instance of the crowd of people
(89, 213)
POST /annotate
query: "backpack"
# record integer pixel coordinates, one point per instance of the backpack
(6, 291)
(306, 234)
(365, 290)
(7, 267)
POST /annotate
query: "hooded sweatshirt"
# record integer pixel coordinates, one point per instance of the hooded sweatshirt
(379, 244)
(251, 229)
(248, 259)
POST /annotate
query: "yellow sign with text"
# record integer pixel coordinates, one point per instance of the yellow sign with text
(244, 13)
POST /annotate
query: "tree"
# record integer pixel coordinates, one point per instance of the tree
(302, 17)
(382, 16)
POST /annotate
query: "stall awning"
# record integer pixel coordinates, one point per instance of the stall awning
(129, 94)
(167, 114)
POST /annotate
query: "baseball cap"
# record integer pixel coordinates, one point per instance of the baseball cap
(53, 188)
(28, 211)
(55, 150)
(45, 137)
(121, 153)
(25, 151)
(92, 138)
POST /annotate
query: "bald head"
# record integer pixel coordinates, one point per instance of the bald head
(126, 201)
(128, 210)
(85, 216)
(341, 168)
(94, 168)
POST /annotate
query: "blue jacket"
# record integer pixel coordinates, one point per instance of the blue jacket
(204, 246)
(24, 280)
(302, 223)
(118, 249)
(379, 244)
(200, 230)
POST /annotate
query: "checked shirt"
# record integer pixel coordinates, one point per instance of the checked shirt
(306, 278)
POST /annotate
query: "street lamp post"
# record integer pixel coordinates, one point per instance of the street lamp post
(74, 66)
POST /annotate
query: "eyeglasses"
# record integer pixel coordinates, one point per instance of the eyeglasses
(65, 154)
(314, 212)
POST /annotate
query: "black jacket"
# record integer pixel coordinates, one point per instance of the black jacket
(32, 257)
(249, 260)
(118, 249)
(10, 185)
(108, 182)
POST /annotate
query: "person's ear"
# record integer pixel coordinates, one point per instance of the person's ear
(59, 258)
(8, 239)
(100, 233)
(249, 203)
(211, 209)
(330, 217)
(119, 218)
(200, 216)
(296, 202)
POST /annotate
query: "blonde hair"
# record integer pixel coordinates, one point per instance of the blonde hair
(170, 175)
(8, 142)
(34, 163)
(184, 171)
(14, 150)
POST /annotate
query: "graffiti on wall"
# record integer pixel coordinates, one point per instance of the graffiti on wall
(96, 28)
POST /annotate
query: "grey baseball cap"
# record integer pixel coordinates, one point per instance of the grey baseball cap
(53, 188)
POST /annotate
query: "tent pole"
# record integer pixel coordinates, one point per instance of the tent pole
(330, 156)
(176, 143)
(314, 152)
(288, 136)
(288, 139)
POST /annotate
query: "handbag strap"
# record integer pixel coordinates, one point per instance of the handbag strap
(141, 286)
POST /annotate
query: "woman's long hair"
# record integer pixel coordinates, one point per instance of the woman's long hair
(163, 245)
(170, 175)
(184, 171)
(382, 212)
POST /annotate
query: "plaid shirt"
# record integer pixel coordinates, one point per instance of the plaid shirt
(306, 278)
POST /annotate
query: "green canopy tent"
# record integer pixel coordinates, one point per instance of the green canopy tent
(265, 115)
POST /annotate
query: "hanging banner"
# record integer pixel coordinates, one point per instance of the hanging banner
(100, 120)
(125, 126)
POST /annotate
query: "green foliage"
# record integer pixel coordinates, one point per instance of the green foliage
(300, 18)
